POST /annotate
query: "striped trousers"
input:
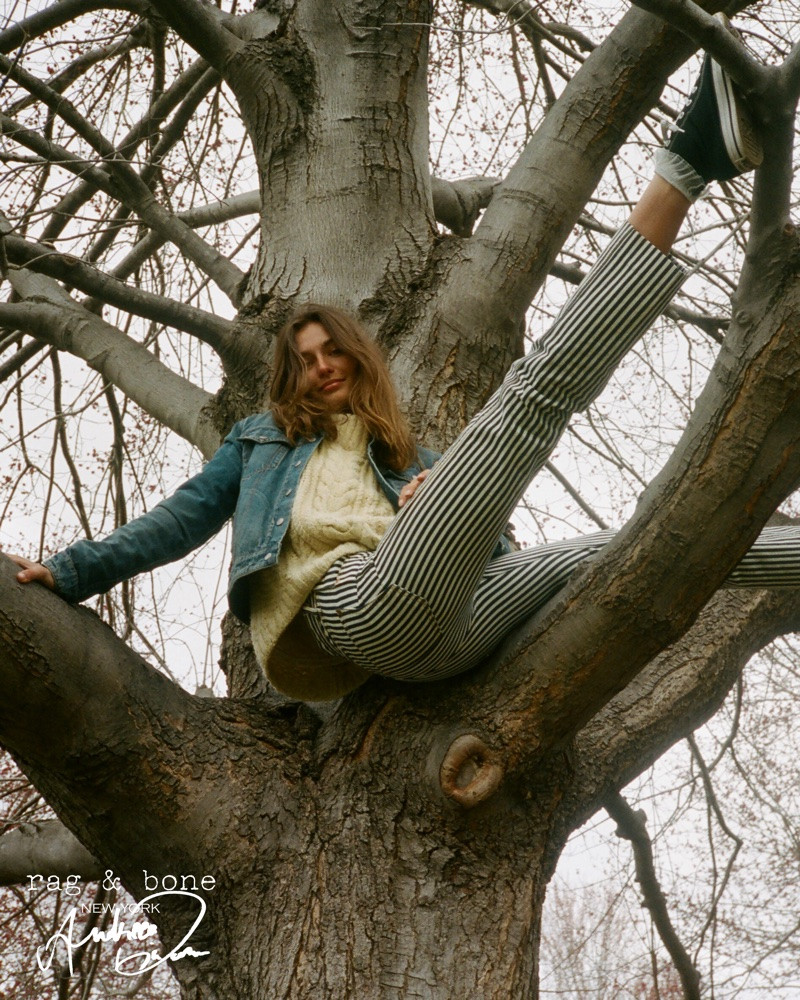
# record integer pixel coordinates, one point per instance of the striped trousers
(430, 601)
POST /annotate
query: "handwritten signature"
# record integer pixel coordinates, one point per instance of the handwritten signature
(139, 931)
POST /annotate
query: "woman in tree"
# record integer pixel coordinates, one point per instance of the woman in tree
(338, 573)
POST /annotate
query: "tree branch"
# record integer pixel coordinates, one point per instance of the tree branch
(187, 88)
(144, 774)
(211, 329)
(486, 283)
(58, 14)
(537, 203)
(457, 204)
(124, 185)
(50, 315)
(520, 14)
(203, 26)
(631, 826)
(790, 73)
(18, 359)
(707, 32)
(46, 846)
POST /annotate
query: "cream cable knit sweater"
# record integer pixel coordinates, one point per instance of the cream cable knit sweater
(338, 509)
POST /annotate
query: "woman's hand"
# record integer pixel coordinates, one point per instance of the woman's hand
(411, 487)
(32, 572)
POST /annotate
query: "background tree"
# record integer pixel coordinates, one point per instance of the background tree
(399, 843)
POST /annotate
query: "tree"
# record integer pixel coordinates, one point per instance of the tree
(400, 843)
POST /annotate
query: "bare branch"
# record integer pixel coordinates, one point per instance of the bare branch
(522, 15)
(14, 363)
(126, 186)
(45, 846)
(202, 215)
(50, 315)
(67, 76)
(211, 329)
(187, 88)
(58, 14)
(631, 825)
(584, 506)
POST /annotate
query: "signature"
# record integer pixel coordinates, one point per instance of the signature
(139, 931)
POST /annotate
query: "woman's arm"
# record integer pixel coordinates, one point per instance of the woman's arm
(172, 529)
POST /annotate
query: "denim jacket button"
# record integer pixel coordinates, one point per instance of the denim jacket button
(279, 521)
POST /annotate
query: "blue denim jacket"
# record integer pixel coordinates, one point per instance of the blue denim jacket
(252, 477)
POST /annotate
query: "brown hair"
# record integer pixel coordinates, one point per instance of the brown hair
(373, 398)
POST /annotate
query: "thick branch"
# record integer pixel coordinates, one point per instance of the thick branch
(50, 315)
(138, 769)
(677, 692)
(145, 775)
(457, 204)
(203, 26)
(46, 846)
(790, 73)
(543, 194)
(485, 284)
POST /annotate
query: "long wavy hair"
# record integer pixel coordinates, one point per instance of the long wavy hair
(373, 397)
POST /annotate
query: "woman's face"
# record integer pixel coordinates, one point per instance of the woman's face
(330, 372)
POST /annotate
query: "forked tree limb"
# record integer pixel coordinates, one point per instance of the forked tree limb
(49, 314)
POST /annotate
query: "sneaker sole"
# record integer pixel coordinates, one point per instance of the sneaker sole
(742, 143)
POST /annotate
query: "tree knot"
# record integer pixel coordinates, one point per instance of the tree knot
(470, 771)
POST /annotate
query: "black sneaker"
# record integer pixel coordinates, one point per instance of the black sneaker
(714, 133)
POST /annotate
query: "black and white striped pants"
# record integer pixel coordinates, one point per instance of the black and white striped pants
(429, 602)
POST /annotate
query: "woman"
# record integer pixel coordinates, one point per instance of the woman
(351, 555)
